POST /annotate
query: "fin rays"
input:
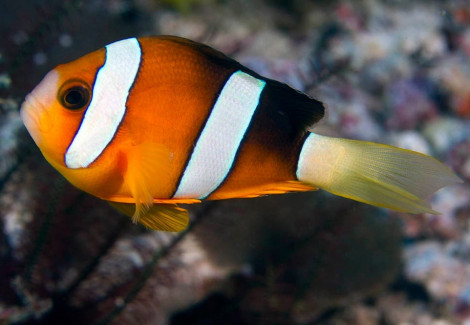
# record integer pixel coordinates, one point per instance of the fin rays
(166, 217)
(146, 163)
(163, 217)
(385, 194)
(419, 174)
(373, 173)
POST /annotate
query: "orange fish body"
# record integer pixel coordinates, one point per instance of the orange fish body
(148, 123)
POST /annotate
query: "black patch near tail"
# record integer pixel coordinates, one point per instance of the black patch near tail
(290, 109)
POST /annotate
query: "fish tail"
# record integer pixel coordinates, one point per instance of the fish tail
(373, 173)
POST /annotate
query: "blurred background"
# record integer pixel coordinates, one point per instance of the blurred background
(389, 71)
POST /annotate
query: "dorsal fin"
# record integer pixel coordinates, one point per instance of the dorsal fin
(212, 54)
(290, 108)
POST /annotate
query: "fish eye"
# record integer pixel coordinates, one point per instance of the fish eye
(74, 95)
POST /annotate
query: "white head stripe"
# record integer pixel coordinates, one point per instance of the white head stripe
(218, 143)
(108, 105)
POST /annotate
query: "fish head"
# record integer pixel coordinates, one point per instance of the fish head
(53, 110)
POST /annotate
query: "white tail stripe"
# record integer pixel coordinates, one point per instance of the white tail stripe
(316, 159)
(218, 143)
(108, 105)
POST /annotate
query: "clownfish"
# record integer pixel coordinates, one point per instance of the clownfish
(148, 123)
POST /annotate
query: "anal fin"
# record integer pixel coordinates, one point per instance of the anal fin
(267, 189)
(162, 217)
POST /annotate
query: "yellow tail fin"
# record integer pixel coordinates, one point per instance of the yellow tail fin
(373, 173)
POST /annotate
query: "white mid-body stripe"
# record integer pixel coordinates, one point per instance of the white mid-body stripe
(108, 105)
(216, 148)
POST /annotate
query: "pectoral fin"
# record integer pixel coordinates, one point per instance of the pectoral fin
(163, 217)
(146, 165)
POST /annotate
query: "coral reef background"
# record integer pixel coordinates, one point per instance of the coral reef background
(395, 72)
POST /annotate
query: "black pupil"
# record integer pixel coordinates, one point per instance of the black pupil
(75, 97)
